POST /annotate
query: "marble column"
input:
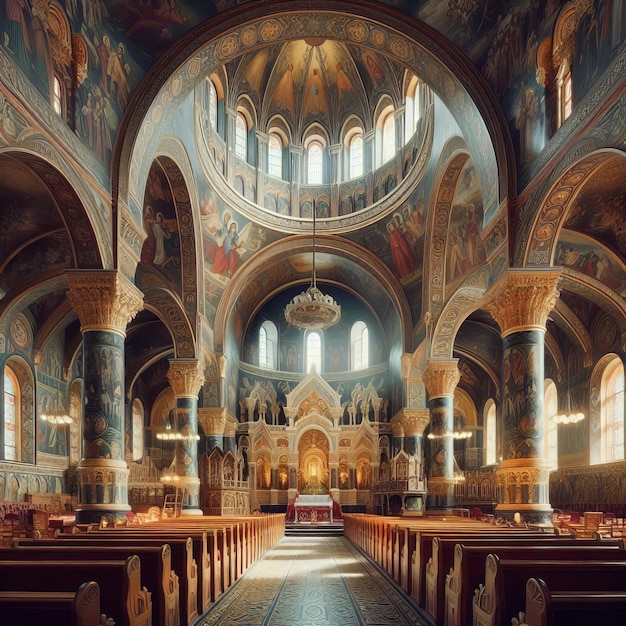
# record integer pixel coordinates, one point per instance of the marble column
(186, 380)
(522, 302)
(105, 303)
(441, 378)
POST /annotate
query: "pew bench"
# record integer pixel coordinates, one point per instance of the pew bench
(121, 592)
(53, 608)
(157, 573)
(503, 595)
(545, 607)
(470, 572)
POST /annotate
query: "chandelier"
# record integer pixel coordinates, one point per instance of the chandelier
(56, 414)
(571, 414)
(311, 309)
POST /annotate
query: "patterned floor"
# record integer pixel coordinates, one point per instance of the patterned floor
(314, 581)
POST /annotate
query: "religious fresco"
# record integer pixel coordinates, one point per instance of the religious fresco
(585, 255)
(465, 247)
(161, 249)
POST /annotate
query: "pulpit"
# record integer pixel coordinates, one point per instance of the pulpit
(314, 508)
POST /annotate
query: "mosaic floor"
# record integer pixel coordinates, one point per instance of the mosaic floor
(314, 581)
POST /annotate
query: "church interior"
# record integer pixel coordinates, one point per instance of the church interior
(258, 255)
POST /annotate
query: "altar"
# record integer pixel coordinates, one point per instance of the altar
(314, 508)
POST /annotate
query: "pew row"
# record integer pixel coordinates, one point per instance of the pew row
(53, 608)
(156, 567)
(443, 568)
(503, 596)
(128, 603)
(545, 607)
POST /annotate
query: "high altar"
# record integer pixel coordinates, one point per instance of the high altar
(314, 508)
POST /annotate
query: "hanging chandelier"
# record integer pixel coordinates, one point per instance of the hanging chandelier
(56, 414)
(311, 309)
(570, 414)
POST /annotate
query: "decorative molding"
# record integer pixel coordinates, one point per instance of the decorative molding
(441, 377)
(410, 422)
(185, 378)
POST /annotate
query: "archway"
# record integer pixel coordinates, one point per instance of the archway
(313, 468)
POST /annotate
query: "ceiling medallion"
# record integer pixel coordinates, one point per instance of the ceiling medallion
(311, 309)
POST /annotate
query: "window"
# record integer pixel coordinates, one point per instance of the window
(612, 412)
(314, 164)
(57, 96)
(137, 430)
(241, 138)
(551, 405)
(268, 344)
(490, 437)
(212, 105)
(565, 97)
(12, 412)
(359, 346)
(356, 156)
(389, 137)
(275, 156)
(314, 351)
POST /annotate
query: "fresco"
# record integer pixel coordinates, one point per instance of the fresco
(466, 250)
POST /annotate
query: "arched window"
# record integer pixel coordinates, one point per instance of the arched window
(57, 96)
(12, 413)
(359, 346)
(241, 138)
(612, 412)
(490, 433)
(388, 137)
(137, 430)
(551, 428)
(275, 156)
(212, 105)
(313, 351)
(268, 345)
(315, 163)
(356, 155)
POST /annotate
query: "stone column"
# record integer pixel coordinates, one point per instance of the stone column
(369, 163)
(105, 303)
(297, 172)
(521, 305)
(441, 379)
(186, 380)
(262, 141)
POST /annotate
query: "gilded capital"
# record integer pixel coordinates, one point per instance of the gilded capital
(410, 422)
(217, 421)
(103, 300)
(184, 377)
(523, 300)
(441, 377)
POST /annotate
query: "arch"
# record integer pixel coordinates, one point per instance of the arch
(18, 423)
(412, 41)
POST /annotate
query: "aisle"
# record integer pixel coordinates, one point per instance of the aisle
(314, 581)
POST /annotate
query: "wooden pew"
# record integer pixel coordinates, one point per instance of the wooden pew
(121, 592)
(545, 607)
(182, 560)
(503, 594)
(468, 571)
(53, 608)
(157, 573)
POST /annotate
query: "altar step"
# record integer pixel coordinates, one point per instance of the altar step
(318, 530)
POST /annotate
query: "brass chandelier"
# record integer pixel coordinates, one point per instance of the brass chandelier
(312, 309)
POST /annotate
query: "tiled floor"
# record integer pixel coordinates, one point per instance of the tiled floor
(314, 581)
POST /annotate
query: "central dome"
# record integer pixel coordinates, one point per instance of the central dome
(314, 124)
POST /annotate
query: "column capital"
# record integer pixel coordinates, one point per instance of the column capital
(410, 422)
(103, 300)
(523, 299)
(184, 377)
(217, 421)
(441, 377)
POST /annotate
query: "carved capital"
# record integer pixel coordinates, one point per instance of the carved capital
(441, 377)
(410, 422)
(217, 421)
(185, 378)
(103, 300)
(523, 300)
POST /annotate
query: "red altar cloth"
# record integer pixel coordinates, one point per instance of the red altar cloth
(313, 514)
